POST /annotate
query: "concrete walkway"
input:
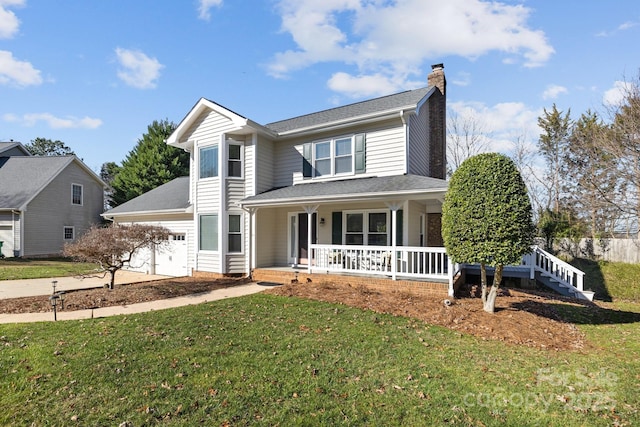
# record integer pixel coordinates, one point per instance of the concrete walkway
(218, 294)
(35, 287)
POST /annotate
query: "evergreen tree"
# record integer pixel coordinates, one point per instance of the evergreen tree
(553, 145)
(487, 217)
(150, 164)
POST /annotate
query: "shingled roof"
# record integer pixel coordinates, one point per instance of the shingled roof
(174, 195)
(23, 177)
(379, 187)
(393, 102)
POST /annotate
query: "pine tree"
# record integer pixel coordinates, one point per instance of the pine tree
(150, 164)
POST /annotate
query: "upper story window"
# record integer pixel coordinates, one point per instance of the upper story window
(208, 161)
(337, 156)
(234, 158)
(76, 194)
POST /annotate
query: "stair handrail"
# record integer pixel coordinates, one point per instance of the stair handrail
(562, 271)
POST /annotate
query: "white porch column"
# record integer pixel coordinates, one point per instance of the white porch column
(310, 210)
(394, 206)
(251, 264)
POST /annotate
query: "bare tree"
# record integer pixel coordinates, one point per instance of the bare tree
(113, 247)
(623, 145)
(527, 159)
(466, 137)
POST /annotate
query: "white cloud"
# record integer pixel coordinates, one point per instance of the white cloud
(505, 122)
(204, 7)
(393, 39)
(622, 27)
(69, 122)
(462, 78)
(614, 96)
(9, 23)
(16, 72)
(137, 69)
(553, 91)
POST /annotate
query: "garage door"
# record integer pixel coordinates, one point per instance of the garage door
(171, 259)
(6, 236)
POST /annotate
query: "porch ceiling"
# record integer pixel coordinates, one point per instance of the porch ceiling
(399, 187)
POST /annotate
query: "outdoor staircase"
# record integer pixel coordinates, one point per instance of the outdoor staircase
(556, 274)
(547, 270)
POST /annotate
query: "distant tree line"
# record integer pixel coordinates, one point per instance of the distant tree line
(584, 177)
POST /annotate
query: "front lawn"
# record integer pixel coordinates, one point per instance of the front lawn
(272, 360)
(26, 268)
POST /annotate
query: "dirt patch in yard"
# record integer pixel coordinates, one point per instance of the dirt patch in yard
(521, 318)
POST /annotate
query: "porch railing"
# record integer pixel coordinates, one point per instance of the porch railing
(406, 261)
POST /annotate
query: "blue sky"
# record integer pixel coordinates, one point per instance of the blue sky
(94, 74)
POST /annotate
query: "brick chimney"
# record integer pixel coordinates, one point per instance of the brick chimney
(436, 78)
(438, 123)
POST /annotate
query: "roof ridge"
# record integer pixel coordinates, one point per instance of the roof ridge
(346, 105)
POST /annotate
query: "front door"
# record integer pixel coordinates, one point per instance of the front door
(298, 237)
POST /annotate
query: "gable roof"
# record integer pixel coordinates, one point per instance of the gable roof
(24, 177)
(172, 196)
(386, 187)
(389, 103)
(364, 110)
(15, 147)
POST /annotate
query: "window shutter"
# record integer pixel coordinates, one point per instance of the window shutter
(336, 228)
(307, 170)
(360, 153)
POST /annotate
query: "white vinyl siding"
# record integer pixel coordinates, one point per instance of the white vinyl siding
(418, 146)
(265, 165)
(385, 154)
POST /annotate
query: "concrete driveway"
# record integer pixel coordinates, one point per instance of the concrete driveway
(34, 287)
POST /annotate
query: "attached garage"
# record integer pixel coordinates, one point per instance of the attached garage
(165, 206)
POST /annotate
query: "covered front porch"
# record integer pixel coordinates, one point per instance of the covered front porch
(388, 228)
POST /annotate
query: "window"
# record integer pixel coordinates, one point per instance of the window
(235, 233)
(343, 160)
(234, 160)
(69, 233)
(377, 229)
(322, 158)
(355, 227)
(208, 162)
(76, 194)
(209, 232)
(367, 228)
(178, 237)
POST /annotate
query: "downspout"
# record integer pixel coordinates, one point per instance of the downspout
(222, 175)
(20, 214)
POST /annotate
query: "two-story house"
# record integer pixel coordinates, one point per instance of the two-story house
(338, 190)
(354, 191)
(45, 201)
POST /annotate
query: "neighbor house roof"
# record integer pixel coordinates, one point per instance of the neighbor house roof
(172, 196)
(398, 101)
(400, 186)
(23, 177)
(6, 146)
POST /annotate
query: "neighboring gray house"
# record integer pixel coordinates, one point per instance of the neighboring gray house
(45, 201)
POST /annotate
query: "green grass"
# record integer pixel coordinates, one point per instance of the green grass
(269, 360)
(611, 280)
(19, 268)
